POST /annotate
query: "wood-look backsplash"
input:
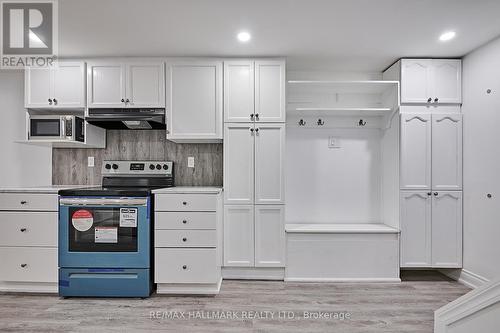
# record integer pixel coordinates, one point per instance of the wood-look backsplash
(69, 166)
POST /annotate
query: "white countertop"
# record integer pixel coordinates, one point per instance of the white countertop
(190, 189)
(39, 189)
(340, 228)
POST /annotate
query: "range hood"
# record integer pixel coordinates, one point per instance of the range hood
(127, 118)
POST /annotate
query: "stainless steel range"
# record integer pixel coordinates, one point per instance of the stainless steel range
(105, 232)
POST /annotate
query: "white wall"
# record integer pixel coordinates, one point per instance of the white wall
(21, 164)
(481, 71)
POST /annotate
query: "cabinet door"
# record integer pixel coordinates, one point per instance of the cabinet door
(415, 151)
(447, 151)
(416, 76)
(194, 100)
(269, 159)
(239, 236)
(239, 163)
(37, 87)
(146, 85)
(238, 91)
(270, 91)
(105, 85)
(69, 85)
(447, 229)
(447, 81)
(269, 236)
(416, 229)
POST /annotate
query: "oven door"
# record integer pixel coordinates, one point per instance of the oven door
(104, 232)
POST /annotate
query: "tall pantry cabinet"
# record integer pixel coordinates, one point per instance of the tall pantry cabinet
(254, 139)
(430, 162)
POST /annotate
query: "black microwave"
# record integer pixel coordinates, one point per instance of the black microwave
(46, 127)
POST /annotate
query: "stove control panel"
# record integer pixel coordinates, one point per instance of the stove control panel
(142, 168)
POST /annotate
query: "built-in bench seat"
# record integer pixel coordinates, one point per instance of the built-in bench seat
(334, 252)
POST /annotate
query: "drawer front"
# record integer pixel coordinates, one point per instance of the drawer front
(29, 201)
(186, 202)
(185, 238)
(186, 220)
(28, 229)
(28, 264)
(186, 266)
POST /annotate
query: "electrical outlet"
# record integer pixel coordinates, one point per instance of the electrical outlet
(90, 161)
(333, 142)
(190, 162)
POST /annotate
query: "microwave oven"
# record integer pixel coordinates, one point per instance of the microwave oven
(46, 127)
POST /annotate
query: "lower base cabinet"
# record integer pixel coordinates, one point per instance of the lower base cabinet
(431, 229)
(254, 236)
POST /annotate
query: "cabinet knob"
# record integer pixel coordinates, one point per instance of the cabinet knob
(251, 130)
(23, 229)
(251, 116)
(184, 203)
(184, 267)
(50, 101)
(24, 202)
(489, 196)
(257, 130)
(55, 101)
(123, 101)
(24, 265)
(127, 101)
(184, 239)
(436, 100)
(257, 116)
(184, 221)
(429, 193)
(429, 100)
(435, 194)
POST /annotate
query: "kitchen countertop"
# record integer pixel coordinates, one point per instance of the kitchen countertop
(51, 189)
(190, 190)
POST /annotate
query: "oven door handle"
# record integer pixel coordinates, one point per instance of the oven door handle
(103, 202)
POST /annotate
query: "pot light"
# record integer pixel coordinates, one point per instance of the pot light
(447, 36)
(244, 36)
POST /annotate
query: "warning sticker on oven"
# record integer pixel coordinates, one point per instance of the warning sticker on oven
(128, 217)
(82, 220)
(106, 234)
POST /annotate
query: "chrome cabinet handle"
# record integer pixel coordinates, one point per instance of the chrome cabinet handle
(24, 265)
(23, 229)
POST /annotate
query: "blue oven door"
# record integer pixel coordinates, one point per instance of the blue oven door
(110, 232)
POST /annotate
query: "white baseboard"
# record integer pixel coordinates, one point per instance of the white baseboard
(29, 287)
(253, 273)
(465, 277)
(352, 280)
(188, 288)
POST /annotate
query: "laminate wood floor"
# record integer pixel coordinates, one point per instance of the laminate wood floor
(403, 307)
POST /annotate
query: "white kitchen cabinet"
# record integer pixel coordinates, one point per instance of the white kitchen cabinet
(447, 229)
(115, 84)
(269, 236)
(446, 151)
(431, 229)
(194, 101)
(239, 101)
(431, 81)
(254, 91)
(239, 235)
(416, 229)
(415, 151)
(61, 87)
(269, 159)
(239, 163)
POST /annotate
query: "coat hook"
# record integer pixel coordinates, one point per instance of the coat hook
(361, 122)
(320, 122)
(302, 122)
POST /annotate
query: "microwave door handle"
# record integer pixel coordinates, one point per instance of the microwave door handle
(63, 128)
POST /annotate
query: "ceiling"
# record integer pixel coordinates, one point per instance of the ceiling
(339, 35)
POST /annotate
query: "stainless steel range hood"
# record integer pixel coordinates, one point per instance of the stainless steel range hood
(127, 118)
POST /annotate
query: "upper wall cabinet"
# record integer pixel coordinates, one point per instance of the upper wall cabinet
(254, 91)
(114, 84)
(435, 81)
(194, 101)
(61, 87)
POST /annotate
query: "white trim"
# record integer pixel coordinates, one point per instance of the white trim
(357, 280)
(29, 287)
(465, 277)
(253, 273)
(188, 288)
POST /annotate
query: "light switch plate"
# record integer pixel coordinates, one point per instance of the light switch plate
(333, 142)
(190, 162)
(90, 161)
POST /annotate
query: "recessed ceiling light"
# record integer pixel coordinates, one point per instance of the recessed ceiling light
(447, 36)
(244, 36)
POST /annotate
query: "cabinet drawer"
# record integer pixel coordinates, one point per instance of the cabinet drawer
(185, 220)
(186, 266)
(28, 264)
(28, 201)
(186, 202)
(185, 238)
(28, 229)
